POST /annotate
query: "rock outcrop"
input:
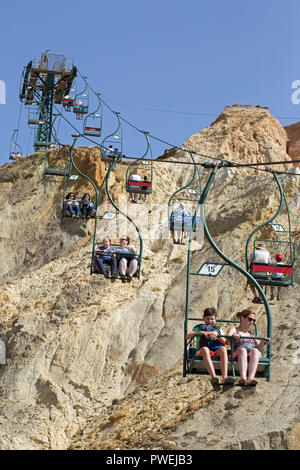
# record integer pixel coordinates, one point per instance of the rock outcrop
(242, 133)
(293, 143)
(97, 365)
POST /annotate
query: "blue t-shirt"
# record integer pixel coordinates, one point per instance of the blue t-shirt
(106, 256)
(202, 341)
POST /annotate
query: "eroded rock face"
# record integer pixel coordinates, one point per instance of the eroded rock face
(293, 143)
(242, 133)
(94, 364)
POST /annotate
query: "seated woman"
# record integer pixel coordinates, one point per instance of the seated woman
(246, 346)
(72, 205)
(87, 207)
(105, 254)
(124, 260)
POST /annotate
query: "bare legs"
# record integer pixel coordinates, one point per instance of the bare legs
(222, 354)
(278, 292)
(254, 356)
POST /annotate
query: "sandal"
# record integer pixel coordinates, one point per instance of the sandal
(257, 300)
(242, 381)
(214, 381)
(229, 381)
(252, 382)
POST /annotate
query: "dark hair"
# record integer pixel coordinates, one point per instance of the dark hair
(245, 313)
(68, 195)
(86, 194)
(209, 311)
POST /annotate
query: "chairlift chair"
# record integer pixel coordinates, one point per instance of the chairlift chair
(144, 165)
(92, 125)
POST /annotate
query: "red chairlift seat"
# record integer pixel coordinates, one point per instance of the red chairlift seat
(267, 269)
(68, 103)
(144, 187)
(93, 131)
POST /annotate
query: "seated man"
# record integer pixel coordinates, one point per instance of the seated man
(260, 255)
(134, 177)
(106, 255)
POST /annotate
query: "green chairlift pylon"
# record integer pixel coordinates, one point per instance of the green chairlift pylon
(280, 275)
(143, 165)
(92, 125)
(180, 218)
(109, 142)
(191, 363)
(45, 80)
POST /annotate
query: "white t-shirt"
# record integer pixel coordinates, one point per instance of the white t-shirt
(260, 256)
(134, 178)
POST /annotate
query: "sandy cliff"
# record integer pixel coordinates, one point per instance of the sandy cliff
(95, 364)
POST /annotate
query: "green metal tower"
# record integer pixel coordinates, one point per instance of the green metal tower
(45, 81)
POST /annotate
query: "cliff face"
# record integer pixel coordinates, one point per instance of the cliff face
(243, 134)
(95, 364)
(293, 144)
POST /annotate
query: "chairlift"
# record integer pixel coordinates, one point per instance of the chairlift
(192, 362)
(183, 210)
(113, 144)
(273, 274)
(68, 100)
(15, 150)
(81, 103)
(138, 178)
(92, 125)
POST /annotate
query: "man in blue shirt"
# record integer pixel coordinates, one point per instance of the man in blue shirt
(106, 256)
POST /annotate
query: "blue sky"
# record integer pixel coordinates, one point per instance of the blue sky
(186, 57)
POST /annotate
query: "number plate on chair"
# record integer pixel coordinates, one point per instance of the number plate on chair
(277, 227)
(210, 269)
(109, 215)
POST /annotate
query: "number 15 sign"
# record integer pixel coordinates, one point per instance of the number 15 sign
(210, 269)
